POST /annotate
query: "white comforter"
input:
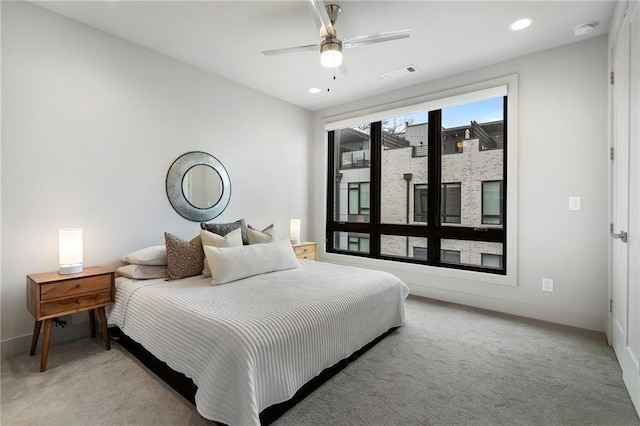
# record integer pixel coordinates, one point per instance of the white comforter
(254, 342)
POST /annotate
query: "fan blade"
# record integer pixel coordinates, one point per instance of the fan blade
(342, 70)
(320, 15)
(296, 49)
(375, 38)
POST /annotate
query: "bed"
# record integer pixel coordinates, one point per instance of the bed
(254, 342)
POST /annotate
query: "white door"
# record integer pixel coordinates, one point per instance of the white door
(625, 301)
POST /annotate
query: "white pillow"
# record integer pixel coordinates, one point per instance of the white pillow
(256, 236)
(154, 255)
(234, 263)
(143, 272)
(232, 239)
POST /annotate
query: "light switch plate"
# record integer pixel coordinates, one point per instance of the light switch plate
(575, 203)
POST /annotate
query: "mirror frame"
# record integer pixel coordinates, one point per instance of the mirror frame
(176, 196)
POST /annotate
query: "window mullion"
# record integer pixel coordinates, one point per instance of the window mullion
(332, 209)
(504, 181)
(376, 186)
(433, 184)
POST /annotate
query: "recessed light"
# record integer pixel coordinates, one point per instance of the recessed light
(521, 24)
(314, 90)
(584, 28)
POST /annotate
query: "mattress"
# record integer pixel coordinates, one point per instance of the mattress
(254, 342)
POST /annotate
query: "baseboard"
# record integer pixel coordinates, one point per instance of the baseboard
(543, 313)
(22, 344)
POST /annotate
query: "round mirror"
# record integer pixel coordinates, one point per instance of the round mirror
(198, 186)
(202, 186)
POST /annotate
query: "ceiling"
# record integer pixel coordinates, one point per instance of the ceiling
(447, 37)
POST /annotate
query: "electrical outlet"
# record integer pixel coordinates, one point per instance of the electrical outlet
(547, 284)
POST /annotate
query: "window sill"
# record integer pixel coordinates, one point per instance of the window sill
(400, 268)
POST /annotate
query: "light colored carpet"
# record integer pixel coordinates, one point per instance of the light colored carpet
(449, 365)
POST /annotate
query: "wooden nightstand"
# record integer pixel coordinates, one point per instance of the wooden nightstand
(305, 250)
(51, 295)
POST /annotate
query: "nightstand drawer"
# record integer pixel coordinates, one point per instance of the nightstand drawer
(75, 304)
(305, 251)
(74, 287)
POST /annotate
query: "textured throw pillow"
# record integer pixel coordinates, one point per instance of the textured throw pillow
(143, 272)
(184, 258)
(154, 255)
(225, 228)
(232, 239)
(256, 236)
(233, 263)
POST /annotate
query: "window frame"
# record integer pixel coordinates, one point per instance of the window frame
(506, 85)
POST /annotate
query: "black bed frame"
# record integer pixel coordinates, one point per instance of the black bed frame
(185, 386)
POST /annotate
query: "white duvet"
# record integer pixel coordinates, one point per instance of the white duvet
(254, 342)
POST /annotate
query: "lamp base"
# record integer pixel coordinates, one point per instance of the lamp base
(70, 269)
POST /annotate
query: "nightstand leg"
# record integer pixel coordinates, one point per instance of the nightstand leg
(36, 336)
(103, 324)
(45, 345)
(92, 322)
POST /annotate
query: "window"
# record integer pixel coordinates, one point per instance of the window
(380, 172)
(420, 252)
(358, 199)
(450, 256)
(492, 202)
(492, 260)
(450, 197)
(359, 244)
(420, 203)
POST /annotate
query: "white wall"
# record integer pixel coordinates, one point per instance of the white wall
(562, 152)
(90, 126)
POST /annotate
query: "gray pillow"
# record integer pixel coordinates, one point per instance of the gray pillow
(224, 228)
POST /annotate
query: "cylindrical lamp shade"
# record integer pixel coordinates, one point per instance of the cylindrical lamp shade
(294, 231)
(70, 250)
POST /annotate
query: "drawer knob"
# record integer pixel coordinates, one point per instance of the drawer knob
(78, 301)
(77, 285)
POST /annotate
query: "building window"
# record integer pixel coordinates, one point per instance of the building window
(492, 202)
(420, 203)
(450, 203)
(420, 252)
(405, 155)
(358, 199)
(358, 244)
(450, 256)
(492, 260)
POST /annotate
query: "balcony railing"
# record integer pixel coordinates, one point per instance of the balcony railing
(356, 159)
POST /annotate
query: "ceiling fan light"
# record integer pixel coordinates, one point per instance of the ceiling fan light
(331, 53)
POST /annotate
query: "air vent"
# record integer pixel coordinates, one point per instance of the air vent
(409, 69)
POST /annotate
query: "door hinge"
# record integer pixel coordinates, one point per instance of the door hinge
(611, 153)
(622, 236)
(612, 78)
(610, 305)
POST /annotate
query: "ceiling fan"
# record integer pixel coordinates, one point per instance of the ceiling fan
(331, 46)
